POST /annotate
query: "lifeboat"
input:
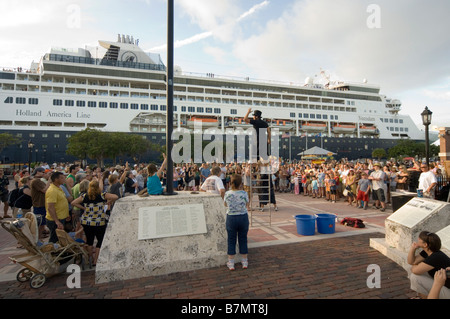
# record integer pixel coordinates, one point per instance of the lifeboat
(282, 124)
(204, 121)
(344, 128)
(368, 130)
(237, 122)
(313, 127)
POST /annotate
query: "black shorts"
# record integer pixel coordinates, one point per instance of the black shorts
(4, 197)
(379, 195)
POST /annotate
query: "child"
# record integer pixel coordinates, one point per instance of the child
(315, 187)
(296, 185)
(333, 188)
(363, 191)
(237, 221)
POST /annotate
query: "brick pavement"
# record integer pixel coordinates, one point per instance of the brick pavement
(283, 265)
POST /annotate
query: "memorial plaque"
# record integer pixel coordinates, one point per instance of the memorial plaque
(171, 221)
(444, 235)
(414, 211)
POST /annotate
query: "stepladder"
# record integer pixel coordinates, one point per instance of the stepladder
(261, 197)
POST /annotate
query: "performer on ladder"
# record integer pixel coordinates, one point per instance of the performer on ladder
(261, 127)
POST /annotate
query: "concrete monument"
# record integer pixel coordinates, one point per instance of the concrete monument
(160, 235)
(404, 226)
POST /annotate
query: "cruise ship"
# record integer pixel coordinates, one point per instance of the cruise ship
(70, 90)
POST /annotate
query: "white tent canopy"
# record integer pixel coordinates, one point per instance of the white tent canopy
(316, 151)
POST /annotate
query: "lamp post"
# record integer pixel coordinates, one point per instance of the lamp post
(30, 148)
(170, 84)
(426, 119)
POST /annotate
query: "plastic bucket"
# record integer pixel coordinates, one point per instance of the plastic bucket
(306, 225)
(326, 223)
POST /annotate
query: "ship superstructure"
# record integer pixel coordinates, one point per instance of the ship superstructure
(125, 90)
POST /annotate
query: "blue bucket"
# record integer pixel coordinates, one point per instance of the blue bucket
(306, 225)
(326, 223)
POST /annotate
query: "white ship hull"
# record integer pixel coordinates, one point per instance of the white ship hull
(71, 93)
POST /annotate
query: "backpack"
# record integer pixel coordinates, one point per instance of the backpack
(13, 196)
(353, 222)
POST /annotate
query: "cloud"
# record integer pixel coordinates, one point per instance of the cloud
(410, 48)
(253, 10)
(216, 18)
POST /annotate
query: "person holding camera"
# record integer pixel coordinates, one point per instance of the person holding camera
(425, 265)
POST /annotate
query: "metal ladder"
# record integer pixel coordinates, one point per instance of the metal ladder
(260, 186)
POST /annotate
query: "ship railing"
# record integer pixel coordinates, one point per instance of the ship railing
(103, 62)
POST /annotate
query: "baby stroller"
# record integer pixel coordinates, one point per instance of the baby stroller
(41, 260)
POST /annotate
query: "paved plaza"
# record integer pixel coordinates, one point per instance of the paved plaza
(282, 264)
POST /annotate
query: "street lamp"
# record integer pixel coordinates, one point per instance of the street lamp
(30, 148)
(426, 120)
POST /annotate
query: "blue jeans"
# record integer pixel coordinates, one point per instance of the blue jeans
(52, 228)
(237, 229)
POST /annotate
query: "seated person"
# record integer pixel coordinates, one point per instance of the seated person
(154, 186)
(424, 265)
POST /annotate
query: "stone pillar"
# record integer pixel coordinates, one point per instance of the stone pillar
(444, 135)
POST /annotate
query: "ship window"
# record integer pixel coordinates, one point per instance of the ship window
(69, 103)
(300, 115)
(336, 117)
(233, 111)
(400, 121)
(57, 102)
(154, 107)
(319, 116)
(217, 111)
(306, 116)
(191, 109)
(33, 101)
(81, 103)
(325, 117)
(134, 106)
(144, 107)
(164, 108)
(293, 115)
(20, 100)
(406, 129)
(183, 109)
(312, 116)
(9, 99)
(209, 110)
(92, 104)
(391, 120)
(113, 105)
(56, 136)
(331, 117)
(44, 135)
(103, 105)
(124, 106)
(200, 109)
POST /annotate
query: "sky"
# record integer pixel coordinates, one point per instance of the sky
(402, 46)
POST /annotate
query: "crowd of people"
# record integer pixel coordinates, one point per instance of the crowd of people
(80, 201)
